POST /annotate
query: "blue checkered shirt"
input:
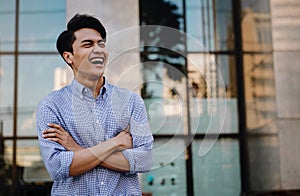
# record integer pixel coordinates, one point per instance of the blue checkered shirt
(91, 121)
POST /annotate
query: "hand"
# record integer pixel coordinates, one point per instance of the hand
(123, 139)
(57, 134)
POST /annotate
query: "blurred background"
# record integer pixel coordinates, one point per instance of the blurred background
(221, 86)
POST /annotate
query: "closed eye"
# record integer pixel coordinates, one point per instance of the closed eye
(87, 45)
(101, 44)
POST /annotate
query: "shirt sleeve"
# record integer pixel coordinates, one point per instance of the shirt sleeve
(56, 159)
(140, 156)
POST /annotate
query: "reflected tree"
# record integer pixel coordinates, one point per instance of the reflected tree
(162, 50)
(4, 169)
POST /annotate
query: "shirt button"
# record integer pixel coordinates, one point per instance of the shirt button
(102, 183)
(94, 103)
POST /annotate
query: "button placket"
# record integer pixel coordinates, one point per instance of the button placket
(97, 124)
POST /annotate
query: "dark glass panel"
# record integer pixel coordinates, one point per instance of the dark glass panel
(218, 171)
(167, 176)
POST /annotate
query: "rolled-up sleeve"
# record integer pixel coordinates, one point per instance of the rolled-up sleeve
(140, 159)
(56, 159)
(140, 156)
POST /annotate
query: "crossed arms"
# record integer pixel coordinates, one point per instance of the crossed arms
(64, 157)
(106, 154)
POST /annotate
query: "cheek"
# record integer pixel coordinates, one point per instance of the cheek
(106, 54)
(82, 60)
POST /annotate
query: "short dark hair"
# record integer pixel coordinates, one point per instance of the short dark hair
(66, 38)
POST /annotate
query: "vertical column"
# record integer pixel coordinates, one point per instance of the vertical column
(286, 44)
(14, 187)
(244, 158)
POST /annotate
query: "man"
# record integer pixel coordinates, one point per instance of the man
(94, 137)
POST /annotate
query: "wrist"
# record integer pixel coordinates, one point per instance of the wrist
(115, 143)
(77, 148)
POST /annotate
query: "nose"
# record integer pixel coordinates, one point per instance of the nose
(97, 49)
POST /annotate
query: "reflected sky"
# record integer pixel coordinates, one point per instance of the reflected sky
(40, 22)
(37, 19)
(7, 18)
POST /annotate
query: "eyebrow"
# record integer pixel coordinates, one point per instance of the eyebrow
(91, 41)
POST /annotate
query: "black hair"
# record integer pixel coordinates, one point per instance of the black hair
(66, 38)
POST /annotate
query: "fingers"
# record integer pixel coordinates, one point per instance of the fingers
(124, 138)
(55, 132)
(56, 126)
(124, 134)
(51, 133)
(127, 138)
(127, 129)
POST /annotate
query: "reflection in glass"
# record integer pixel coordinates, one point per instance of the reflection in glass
(38, 75)
(260, 93)
(168, 174)
(256, 25)
(37, 19)
(210, 23)
(6, 94)
(167, 13)
(163, 64)
(213, 104)
(7, 21)
(258, 69)
(223, 25)
(29, 158)
(218, 171)
(5, 165)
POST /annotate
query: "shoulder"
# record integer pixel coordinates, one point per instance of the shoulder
(121, 95)
(125, 93)
(54, 97)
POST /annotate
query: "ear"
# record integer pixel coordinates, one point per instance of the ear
(68, 57)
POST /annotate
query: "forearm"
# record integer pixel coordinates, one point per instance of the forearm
(116, 162)
(86, 159)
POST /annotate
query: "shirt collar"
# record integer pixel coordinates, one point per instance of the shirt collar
(80, 89)
(104, 87)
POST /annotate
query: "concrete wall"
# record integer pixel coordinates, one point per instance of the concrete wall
(286, 44)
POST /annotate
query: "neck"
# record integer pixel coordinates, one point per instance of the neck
(94, 85)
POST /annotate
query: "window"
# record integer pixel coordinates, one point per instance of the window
(190, 93)
(28, 60)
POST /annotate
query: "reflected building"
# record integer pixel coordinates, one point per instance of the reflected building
(218, 78)
(62, 77)
(259, 72)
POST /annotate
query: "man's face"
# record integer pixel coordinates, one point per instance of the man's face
(89, 54)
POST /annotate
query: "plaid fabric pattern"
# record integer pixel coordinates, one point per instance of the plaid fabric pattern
(91, 121)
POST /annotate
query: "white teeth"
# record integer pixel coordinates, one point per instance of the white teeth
(97, 60)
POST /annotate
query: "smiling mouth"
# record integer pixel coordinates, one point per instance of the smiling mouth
(98, 60)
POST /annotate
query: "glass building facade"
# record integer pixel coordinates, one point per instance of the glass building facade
(205, 70)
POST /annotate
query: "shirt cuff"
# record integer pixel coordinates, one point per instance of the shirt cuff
(66, 160)
(129, 155)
